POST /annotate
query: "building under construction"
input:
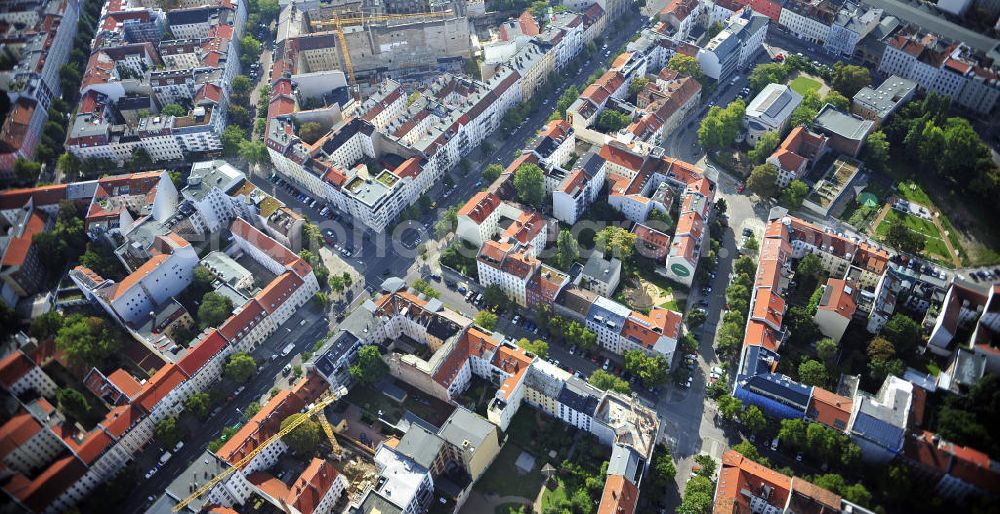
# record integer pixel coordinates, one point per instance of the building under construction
(398, 39)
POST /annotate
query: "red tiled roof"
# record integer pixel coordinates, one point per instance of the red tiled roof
(245, 318)
(272, 248)
(132, 279)
(619, 496)
(278, 291)
(17, 431)
(514, 361)
(621, 156)
(19, 246)
(203, 350)
(261, 426)
(473, 342)
(125, 382)
(480, 206)
(14, 366)
(312, 485)
(829, 408)
(739, 473)
(841, 300)
(969, 465)
(39, 493)
(93, 446)
(121, 419)
(43, 195)
(159, 386)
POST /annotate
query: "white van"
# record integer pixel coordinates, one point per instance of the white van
(288, 349)
(165, 457)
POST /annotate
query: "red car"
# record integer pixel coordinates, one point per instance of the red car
(740, 187)
(778, 57)
(594, 359)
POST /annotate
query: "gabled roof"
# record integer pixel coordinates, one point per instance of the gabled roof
(14, 366)
(278, 291)
(272, 248)
(830, 409)
(480, 206)
(160, 385)
(619, 496)
(203, 350)
(312, 485)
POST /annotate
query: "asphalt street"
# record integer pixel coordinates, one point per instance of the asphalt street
(257, 390)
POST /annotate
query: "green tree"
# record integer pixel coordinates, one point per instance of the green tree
(810, 265)
(495, 296)
(492, 172)
(537, 347)
(713, 30)
(838, 100)
(567, 249)
(903, 332)
(242, 86)
(240, 367)
(249, 50)
(962, 148)
(763, 181)
(764, 74)
(255, 152)
(370, 367)
(856, 493)
(73, 404)
(606, 381)
(651, 369)
(729, 407)
(904, 239)
(26, 170)
(827, 349)
(239, 115)
(803, 115)
(447, 222)
(748, 450)
(745, 265)
(753, 419)
(706, 464)
(304, 438)
(793, 195)
(730, 338)
(529, 182)
(611, 121)
(764, 147)
(173, 110)
(848, 79)
(687, 65)
(663, 468)
(310, 132)
(486, 319)
(720, 127)
(100, 257)
(635, 87)
(232, 138)
(87, 340)
(793, 433)
(615, 241)
(69, 164)
(198, 404)
(168, 432)
(812, 372)
(876, 152)
(697, 496)
(695, 318)
(214, 309)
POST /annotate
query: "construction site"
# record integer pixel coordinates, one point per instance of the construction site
(369, 41)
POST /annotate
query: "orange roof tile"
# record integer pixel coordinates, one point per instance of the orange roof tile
(16, 432)
(830, 409)
(14, 366)
(311, 486)
(162, 383)
(203, 350)
(275, 250)
(619, 496)
(841, 299)
(480, 206)
(125, 382)
(278, 291)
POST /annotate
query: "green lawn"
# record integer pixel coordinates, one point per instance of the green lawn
(505, 480)
(934, 245)
(510, 508)
(913, 192)
(803, 85)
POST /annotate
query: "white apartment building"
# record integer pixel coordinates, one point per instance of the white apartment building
(734, 47)
(809, 19)
(208, 188)
(948, 70)
(580, 188)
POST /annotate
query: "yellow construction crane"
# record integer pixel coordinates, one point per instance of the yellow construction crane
(338, 23)
(334, 446)
(316, 410)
